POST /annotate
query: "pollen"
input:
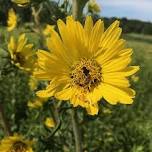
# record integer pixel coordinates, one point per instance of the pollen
(18, 147)
(86, 74)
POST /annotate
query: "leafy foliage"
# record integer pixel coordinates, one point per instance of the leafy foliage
(116, 128)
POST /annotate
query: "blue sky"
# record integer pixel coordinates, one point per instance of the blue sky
(132, 9)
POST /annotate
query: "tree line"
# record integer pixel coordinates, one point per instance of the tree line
(131, 25)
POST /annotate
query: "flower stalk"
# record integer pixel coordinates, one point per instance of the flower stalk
(77, 11)
(36, 14)
(77, 8)
(76, 131)
(4, 121)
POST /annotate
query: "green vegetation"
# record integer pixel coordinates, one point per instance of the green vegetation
(120, 128)
(117, 128)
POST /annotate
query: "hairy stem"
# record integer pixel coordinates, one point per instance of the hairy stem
(76, 131)
(77, 11)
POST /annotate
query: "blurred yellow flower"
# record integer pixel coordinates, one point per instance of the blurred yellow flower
(87, 64)
(135, 78)
(33, 82)
(22, 54)
(15, 143)
(107, 111)
(93, 6)
(36, 103)
(49, 122)
(21, 3)
(47, 30)
(47, 33)
(12, 20)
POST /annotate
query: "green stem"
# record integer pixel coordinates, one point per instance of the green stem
(77, 8)
(76, 131)
(5, 122)
(77, 11)
(36, 14)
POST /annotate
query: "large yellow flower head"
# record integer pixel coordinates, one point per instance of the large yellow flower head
(12, 20)
(22, 54)
(86, 64)
(15, 143)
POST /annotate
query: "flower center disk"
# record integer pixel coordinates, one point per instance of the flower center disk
(19, 58)
(86, 74)
(18, 147)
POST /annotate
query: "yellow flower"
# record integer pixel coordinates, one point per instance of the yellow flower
(87, 64)
(21, 3)
(47, 33)
(49, 122)
(21, 53)
(135, 78)
(36, 103)
(93, 6)
(48, 29)
(15, 143)
(12, 20)
(33, 83)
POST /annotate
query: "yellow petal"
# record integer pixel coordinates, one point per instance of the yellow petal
(11, 46)
(92, 109)
(116, 64)
(108, 34)
(49, 122)
(95, 36)
(21, 2)
(128, 71)
(65, 94)
(12, 20)
(56, 85)
(115, 95)
(48, 30)
(56, 45)
(88, 25)
(75, 35)
(34, 104)
(95, 95)
(121, 82)
(21, 43)
(125, 52)
(106, 53)
(49, 92)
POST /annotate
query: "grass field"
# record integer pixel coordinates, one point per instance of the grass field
(142, 46)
